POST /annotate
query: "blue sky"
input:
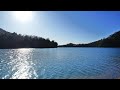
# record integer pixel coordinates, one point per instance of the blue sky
(65, 26)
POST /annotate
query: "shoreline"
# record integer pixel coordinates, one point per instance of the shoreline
(57, 47)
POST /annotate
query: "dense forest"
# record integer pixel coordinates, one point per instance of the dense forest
(111, 41)
(14, 40)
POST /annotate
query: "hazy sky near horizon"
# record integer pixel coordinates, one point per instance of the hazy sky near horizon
(64, 26)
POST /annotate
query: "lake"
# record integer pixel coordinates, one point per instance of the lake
(60, 63)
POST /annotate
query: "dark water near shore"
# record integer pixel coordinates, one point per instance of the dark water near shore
(60, 63)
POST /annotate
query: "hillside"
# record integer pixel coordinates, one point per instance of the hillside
(14, 40)
(111, 41)
(2, 31)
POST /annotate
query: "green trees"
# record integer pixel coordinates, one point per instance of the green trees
(14, 40)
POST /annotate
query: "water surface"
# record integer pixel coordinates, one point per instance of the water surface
(60, 63)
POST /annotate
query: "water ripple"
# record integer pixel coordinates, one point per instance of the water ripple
(60, 63)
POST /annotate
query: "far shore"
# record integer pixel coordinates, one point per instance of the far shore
(55, 47)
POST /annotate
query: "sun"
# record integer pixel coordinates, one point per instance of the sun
(23, 16)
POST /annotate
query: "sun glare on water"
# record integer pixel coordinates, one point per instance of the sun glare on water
(23, 67)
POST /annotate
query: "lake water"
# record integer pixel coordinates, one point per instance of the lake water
(60, 63)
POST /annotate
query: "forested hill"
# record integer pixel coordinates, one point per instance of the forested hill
(111, 41)
(14, 40)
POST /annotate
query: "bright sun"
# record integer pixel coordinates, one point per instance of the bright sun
(23, 16)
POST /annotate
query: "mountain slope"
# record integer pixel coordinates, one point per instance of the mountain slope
(111, 41)
(14, 40)
(2, 31)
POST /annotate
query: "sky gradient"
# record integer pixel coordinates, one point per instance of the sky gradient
(65, 26)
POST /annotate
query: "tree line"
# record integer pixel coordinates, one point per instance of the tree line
(14, 40)
(111, 41)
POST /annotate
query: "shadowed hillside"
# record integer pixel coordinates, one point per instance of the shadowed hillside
(111, 41)
(14, 40)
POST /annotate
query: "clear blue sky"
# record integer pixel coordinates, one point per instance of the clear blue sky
(65, 26)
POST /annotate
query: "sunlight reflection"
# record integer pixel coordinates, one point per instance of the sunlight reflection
(23, 65)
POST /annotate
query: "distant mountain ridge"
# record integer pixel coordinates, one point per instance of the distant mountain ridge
(111, 41)
(14, 40)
